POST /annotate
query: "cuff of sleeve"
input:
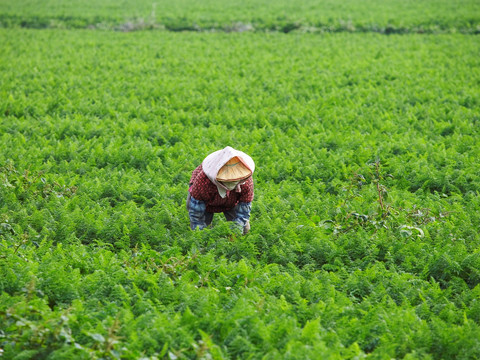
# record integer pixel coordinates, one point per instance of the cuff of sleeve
(243, 213)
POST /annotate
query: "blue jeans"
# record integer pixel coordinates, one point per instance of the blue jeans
(230, 215)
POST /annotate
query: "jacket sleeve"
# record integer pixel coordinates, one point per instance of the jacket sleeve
(243, 213)
(246, 196)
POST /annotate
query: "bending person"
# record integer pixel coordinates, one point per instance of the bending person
(222, 183)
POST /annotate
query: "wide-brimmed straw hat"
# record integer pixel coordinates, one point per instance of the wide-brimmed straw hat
(233, 170)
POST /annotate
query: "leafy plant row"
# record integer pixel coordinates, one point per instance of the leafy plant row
(78, 301)
(393, 16)
(182, 25)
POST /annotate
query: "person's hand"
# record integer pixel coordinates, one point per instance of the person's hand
(246, 228)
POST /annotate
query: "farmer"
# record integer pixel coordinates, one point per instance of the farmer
(222, 183)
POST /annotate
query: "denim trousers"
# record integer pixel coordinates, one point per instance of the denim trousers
(230, 215)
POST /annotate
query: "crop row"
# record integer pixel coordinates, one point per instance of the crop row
(393, 16)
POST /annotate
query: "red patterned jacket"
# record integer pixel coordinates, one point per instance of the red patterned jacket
(201, 188)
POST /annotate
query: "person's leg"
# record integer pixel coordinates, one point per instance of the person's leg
(208, 218)
(230, 215)
(188, 208)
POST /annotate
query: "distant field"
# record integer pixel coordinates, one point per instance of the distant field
(396, 98)
(281, 15)
(364, 240)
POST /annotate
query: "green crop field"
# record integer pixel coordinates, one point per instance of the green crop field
(365, 239)
(248, 15)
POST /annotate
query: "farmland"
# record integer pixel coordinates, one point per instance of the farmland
(251, 15)
(364, 240)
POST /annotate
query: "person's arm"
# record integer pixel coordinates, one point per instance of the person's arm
(244, 206)
(196, 212)
(242, 217)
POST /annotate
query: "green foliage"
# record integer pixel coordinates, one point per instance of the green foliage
(388, 17)
(364, 239)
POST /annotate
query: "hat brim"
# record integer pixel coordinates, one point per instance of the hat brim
(234, 170)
